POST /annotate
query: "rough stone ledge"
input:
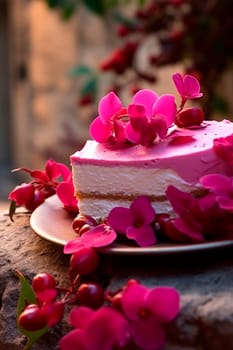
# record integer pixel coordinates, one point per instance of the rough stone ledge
(204, 280)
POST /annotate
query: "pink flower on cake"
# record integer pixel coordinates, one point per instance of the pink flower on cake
(188, 86)
(149, 116)
(147, 311)
(108, 122)
(223, 146)
(104, 329)
(222, 187)
(135, 222)
(146, 118)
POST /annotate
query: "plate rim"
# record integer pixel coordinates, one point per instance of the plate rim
(117, 249)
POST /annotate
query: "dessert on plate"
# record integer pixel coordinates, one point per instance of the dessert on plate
(144, 148)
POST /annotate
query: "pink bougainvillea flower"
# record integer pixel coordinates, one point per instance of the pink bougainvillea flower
(222, 186)
(146, 118)
(99, 236)
(149, 116)
(27, 195)
(135, 222)
(223, 146)
(53, 171)
(65, 192)
(187, 226)
(205, 217)
(188, 86)
(147, 311)
(109, 108)
(104, 329)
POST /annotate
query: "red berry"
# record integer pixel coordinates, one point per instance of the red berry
(116, 301)
(32, 318)
(43, 281)
(189, 117)
(84, 261)
(91, 295)
(82, 220)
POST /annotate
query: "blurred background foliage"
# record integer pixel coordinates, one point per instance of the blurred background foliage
(196, 33)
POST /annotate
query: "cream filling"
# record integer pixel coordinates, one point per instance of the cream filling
(95, 183)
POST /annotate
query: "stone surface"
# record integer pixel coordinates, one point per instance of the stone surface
(204, 280)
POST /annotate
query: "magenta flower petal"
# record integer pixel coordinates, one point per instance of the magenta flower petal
(159, 124)
(100, 131)
(178, 81)
(179, 200)
(107, 329)
(75, 339)
(119, 130)
(73, 245)
(138, 116)
(165, 105)
(143, 235)
(22, 194)
(133, 299)
(108, 106)
(55, 170)
(225, 203)
(164, 302)
(223, 146)
(132, 135)
(143, 210)
(216, 182)
(80, 316)
(190, 232)
(120, 218)
(99, 236)
(148, 334)
(191, 87)
(65, 192)
(188, 87)
(146, 98)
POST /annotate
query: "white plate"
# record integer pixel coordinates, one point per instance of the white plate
(51, 222)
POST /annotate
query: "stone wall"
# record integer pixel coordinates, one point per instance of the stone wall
(46, 119)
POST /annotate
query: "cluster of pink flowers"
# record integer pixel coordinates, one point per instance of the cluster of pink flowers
(55, 179)
(133, 316)
(136, 315)
(148, 117)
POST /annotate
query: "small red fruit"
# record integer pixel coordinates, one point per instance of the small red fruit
(189, 117)
(91, 295)
(32, 318)
(82, 220)
(84, 261)
(43, 281)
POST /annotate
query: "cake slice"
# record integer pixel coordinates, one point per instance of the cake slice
(105, 177)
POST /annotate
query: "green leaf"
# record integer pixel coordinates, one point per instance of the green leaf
(95, 6)
(79, 70)
(90, 87)
(27, 296)
(12, 209)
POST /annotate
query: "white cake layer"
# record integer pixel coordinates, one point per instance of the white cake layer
(123, 181)
(93, 179)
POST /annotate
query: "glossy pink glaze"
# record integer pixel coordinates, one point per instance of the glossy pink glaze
(190, 160)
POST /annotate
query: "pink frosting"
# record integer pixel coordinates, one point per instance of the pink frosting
(190, 160)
